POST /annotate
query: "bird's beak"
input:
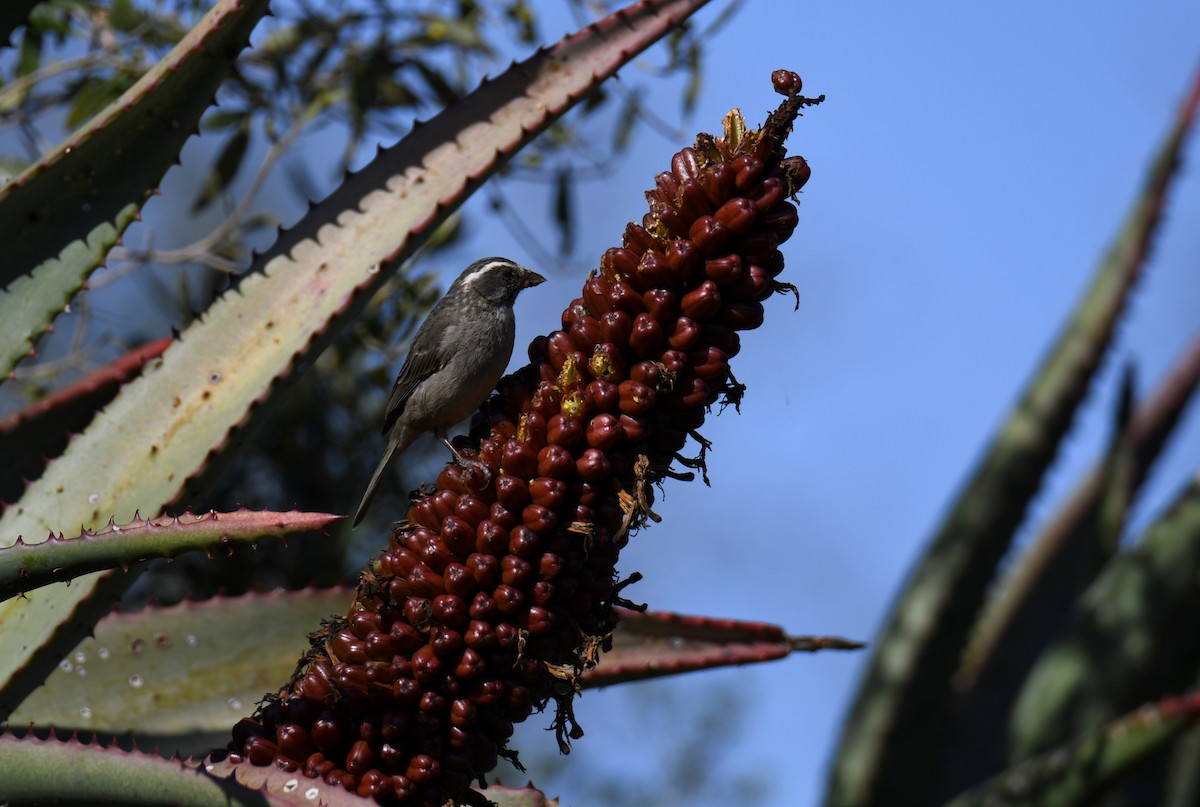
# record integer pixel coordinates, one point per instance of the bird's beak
(532, 279)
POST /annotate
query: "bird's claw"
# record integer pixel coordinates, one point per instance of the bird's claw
(466, 463)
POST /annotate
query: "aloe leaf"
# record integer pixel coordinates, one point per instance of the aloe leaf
(285, 788)
(1077, 773)
(86, 181)
(27, 566)
(70, 772)
(148, 447)
(652, 645)
(127, 676)
(1126, 619)
(42, 429)
(130, 675)
(1023, 603)
(1036, 600)
(30, 303)
(62, 214)
(899, 718)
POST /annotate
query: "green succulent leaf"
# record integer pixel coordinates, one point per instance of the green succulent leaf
(44, 428)
(653, 645)
(129, 676)
(888, 749)
(283, 788)
(31, 303)
(126, 678)
(1075, 774)
(1035, 601)
(1126, 620)
(27, 566)
(94, 94)
(70, 772)
(81, 184)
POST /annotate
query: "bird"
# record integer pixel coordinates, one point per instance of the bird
(458, 355)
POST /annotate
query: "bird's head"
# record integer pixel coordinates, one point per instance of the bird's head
(498, 280)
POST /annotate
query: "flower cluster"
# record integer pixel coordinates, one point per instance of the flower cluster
(500, 588)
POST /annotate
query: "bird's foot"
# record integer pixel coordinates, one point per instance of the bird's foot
(467, 463)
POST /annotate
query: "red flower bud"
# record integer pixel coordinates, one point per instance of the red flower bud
(747, 171)
(685, 334)
(637, 240)
(685, 165)
(490, 538)
(693, 201)
(725, 271)
(512, 493)
(635, 398)
(519, 460)
(586, 333)
(595, 294)
(593, 465)
(719, 183)
(741, 316)
(708, 234)
(618, 262)
(738, 215)
(652, 270)
(756, 286)
(683, 259)
(781, 220)
(647, 336)
(603, 394)
(634, 428)
(702, 302)
(604, 431)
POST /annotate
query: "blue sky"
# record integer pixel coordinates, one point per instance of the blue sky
(969, 169)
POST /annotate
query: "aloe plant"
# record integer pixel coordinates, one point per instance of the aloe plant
(960, 687)
(498, 594)
(703, 261)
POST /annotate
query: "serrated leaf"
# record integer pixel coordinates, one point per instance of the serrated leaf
(128, 676)
(651, 645)
(1078, 773)
(1036, 599)
(57, 771)
(151, 444)
(1124, 621)
(288, 789)
(42, 208)
(27, 566)
(31, 303)
(888, 752)
(219, 647)
(42, 429)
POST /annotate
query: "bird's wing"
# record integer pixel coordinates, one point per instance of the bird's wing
(426, 356)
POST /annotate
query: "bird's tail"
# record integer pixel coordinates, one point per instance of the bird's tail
(397, 442)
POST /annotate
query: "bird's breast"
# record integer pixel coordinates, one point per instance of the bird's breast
(482, 350)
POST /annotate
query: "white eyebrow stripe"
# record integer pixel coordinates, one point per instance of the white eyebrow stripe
(481, 271)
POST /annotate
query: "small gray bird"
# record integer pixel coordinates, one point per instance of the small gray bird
(457, 357)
